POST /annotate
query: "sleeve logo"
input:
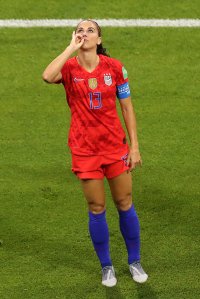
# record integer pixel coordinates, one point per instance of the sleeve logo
(125, 74)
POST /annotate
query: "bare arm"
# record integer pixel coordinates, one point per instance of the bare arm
(128, 113)
(52, 73)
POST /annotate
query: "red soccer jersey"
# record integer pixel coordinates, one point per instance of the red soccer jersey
(95, 125)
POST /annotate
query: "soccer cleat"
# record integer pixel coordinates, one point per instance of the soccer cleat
(108, 276)
(137, 272)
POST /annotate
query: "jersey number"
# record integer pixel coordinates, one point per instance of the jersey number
(95, 100)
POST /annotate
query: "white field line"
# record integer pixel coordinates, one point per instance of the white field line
(102, 22)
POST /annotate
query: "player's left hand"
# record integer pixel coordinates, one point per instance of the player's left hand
(134, 159)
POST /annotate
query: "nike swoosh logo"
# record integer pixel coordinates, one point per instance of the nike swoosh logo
(78, 79)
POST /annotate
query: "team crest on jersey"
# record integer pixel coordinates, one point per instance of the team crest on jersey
(108, 79)
(92, 82)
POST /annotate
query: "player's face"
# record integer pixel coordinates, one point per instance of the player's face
(89, 32)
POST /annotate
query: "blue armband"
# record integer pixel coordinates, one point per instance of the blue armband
(123, 91)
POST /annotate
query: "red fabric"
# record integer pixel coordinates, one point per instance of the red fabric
(96, 167)
(95, 126)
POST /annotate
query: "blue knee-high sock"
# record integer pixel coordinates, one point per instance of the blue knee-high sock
(99, 233)
(130, 229)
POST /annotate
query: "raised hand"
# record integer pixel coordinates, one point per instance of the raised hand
(76, 41)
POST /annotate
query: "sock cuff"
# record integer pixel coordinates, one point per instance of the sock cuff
(98, 216)
(128, 212)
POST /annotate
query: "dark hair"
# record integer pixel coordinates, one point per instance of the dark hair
(100, 48)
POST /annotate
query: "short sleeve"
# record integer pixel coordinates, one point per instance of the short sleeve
(122, 84)
(64, 72)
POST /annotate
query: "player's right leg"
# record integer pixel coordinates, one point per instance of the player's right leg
(93, 190)
(121, 189)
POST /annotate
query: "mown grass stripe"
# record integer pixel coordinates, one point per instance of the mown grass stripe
(102, 22)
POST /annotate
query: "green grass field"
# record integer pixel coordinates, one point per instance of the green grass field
(46, 251)
(99, 9)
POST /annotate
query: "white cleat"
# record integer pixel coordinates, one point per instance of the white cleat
(137, 272)
(108, 276)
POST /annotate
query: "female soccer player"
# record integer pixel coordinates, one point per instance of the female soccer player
(98, 144)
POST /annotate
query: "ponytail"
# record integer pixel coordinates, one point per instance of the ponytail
(101, 50)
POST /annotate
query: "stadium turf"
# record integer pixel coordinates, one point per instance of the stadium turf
(46, 252)
(22, 9)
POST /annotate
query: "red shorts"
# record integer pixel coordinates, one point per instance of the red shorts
(96, 167)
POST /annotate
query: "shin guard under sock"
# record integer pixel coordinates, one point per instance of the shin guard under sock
(99, 233)
(130, 229)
